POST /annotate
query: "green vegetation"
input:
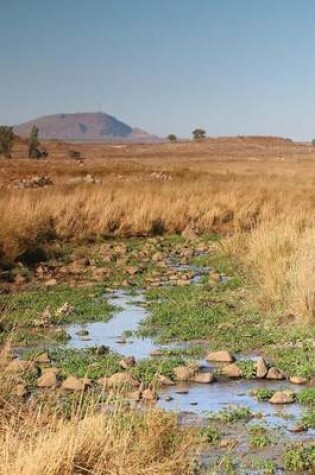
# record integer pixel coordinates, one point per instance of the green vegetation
(85, 363)
(230, 415)
(199, 134)
(309, 419)
(172, 137)
(25, 309)
(7, 138)
(263, 394)
(307, 396)
(258, 437)
(145, 370)
(300, 458)
(33, 143)
(210, 435)
(248, 369)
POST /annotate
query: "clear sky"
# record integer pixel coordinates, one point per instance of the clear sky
(229, 66)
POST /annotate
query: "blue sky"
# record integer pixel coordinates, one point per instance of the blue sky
(229, 66)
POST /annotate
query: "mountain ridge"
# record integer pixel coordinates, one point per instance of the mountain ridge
(84, 126)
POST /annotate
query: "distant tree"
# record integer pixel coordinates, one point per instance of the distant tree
(7, 138)
(33, 151)
(313, 142)
(74, 154)
(172, 137)
(199, 134)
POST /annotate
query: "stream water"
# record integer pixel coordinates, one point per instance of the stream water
(200, 398)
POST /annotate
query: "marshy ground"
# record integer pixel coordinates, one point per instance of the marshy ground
(171, 314)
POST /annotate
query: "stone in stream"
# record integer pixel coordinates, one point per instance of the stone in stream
(164, 380)
(299, 428)
(214, 277)
(183, 373)
(117, 380)
(262, 370)
(121, 340)
(232, 371)
(168, 398)
(282, 397)
(149, 395)
(82, 332)
(85, 338)
(298, 380)
(203, 378)
(220, 357)
(275, 373)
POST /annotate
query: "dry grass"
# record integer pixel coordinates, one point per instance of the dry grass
(124, 442)
(259, 191)
(39, 436)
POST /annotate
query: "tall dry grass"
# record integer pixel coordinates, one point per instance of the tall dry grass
(53, 433)
(117, 442)
(260, 194)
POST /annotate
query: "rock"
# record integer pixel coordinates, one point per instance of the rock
(275, 373)
(85, 338)
(75, 384)
(21, 366)
(203, 378)
(42, 358)
(121, 340)
(232, 371)
(182, 390)
(299, 428)
(220, 357)
(122, 379)
(298, 380)
(82, 333)
(282, 397)
(189, 233)
(127, 362)
(168, 398)
(20, 390)
(164, 380)
(51, 283)
(183, 373)
(149, 395)
(158, 256)
(47, 380)
(262, 370)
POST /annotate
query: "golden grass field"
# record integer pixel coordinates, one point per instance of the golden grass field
(259, 193)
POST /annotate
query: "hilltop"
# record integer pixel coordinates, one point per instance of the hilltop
(85, 126)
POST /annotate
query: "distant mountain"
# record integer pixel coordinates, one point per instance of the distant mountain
(85, 126)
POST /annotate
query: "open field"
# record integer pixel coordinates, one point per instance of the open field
(259, 192)
(121, 279)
